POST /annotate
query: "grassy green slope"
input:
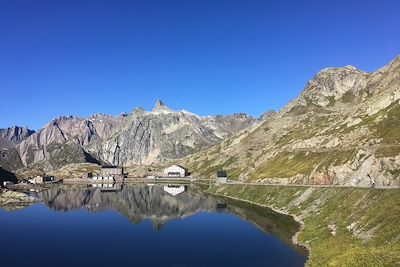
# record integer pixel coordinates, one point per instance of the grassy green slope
(342, 226)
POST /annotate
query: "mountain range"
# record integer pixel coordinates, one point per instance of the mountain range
(138, 138)
(344, 129)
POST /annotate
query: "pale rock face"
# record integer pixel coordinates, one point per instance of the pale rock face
(353, 121)
(15, 134)
(137, 138)
(63, 129)
(165, 134)
(332, 83)
(9, 138)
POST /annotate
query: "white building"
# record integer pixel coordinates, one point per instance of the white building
(41, 179)
(222, 177)
(36, 180)
(175, 171)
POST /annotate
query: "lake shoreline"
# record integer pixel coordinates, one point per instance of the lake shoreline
(339, 226)
(295, 240)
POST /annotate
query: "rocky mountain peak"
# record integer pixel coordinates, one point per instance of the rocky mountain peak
(334, 72)
(331, 84)
(391, 67)
(161, 107)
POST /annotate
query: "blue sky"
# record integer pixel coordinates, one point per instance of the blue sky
(210, 56)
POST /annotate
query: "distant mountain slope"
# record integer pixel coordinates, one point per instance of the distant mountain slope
(70, 129)
(343, 129)
(9, 138)
(147, 137)
(15, 134)
(140, 137)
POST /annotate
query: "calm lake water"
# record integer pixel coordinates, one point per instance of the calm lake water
(156, 225)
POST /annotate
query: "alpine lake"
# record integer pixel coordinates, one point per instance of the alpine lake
(144, 225)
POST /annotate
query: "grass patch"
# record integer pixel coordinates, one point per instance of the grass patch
(289, 164)
(385, 124)
(395, 173)
(348, 97)
(385, 152)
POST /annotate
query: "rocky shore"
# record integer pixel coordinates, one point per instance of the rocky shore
(14, 200)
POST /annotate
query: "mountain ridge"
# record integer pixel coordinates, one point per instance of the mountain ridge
(342, 129)
(140, 137)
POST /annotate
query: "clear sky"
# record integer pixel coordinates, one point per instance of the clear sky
(206, 56)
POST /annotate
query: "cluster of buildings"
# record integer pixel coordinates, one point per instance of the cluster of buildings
(114, 174)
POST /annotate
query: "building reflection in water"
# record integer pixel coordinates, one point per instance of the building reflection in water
(174, 190)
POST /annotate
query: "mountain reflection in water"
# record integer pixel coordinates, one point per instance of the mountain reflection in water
(157, 203)
(169, 225)
(163, 203)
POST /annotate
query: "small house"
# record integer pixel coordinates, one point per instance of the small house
(222, 177)
(176, 171)
(41, 179)
(37, 180)
(117, 172)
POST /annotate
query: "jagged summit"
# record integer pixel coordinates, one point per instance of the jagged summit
(16, 134)
(161, 107)
(159, 103)
(338, 70)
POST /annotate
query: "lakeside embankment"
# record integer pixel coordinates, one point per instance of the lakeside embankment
(341, 226)
(13, 200)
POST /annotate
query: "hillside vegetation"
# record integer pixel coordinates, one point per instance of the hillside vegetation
(342, 226)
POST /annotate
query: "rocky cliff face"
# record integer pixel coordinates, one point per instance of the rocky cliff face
(147, 137)
(15, 134)
(343, 129)
(138, 138)
(70, 129)
(9, 138)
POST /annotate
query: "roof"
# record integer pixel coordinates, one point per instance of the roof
(221, 174)
(110, 167)
(177, 166)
